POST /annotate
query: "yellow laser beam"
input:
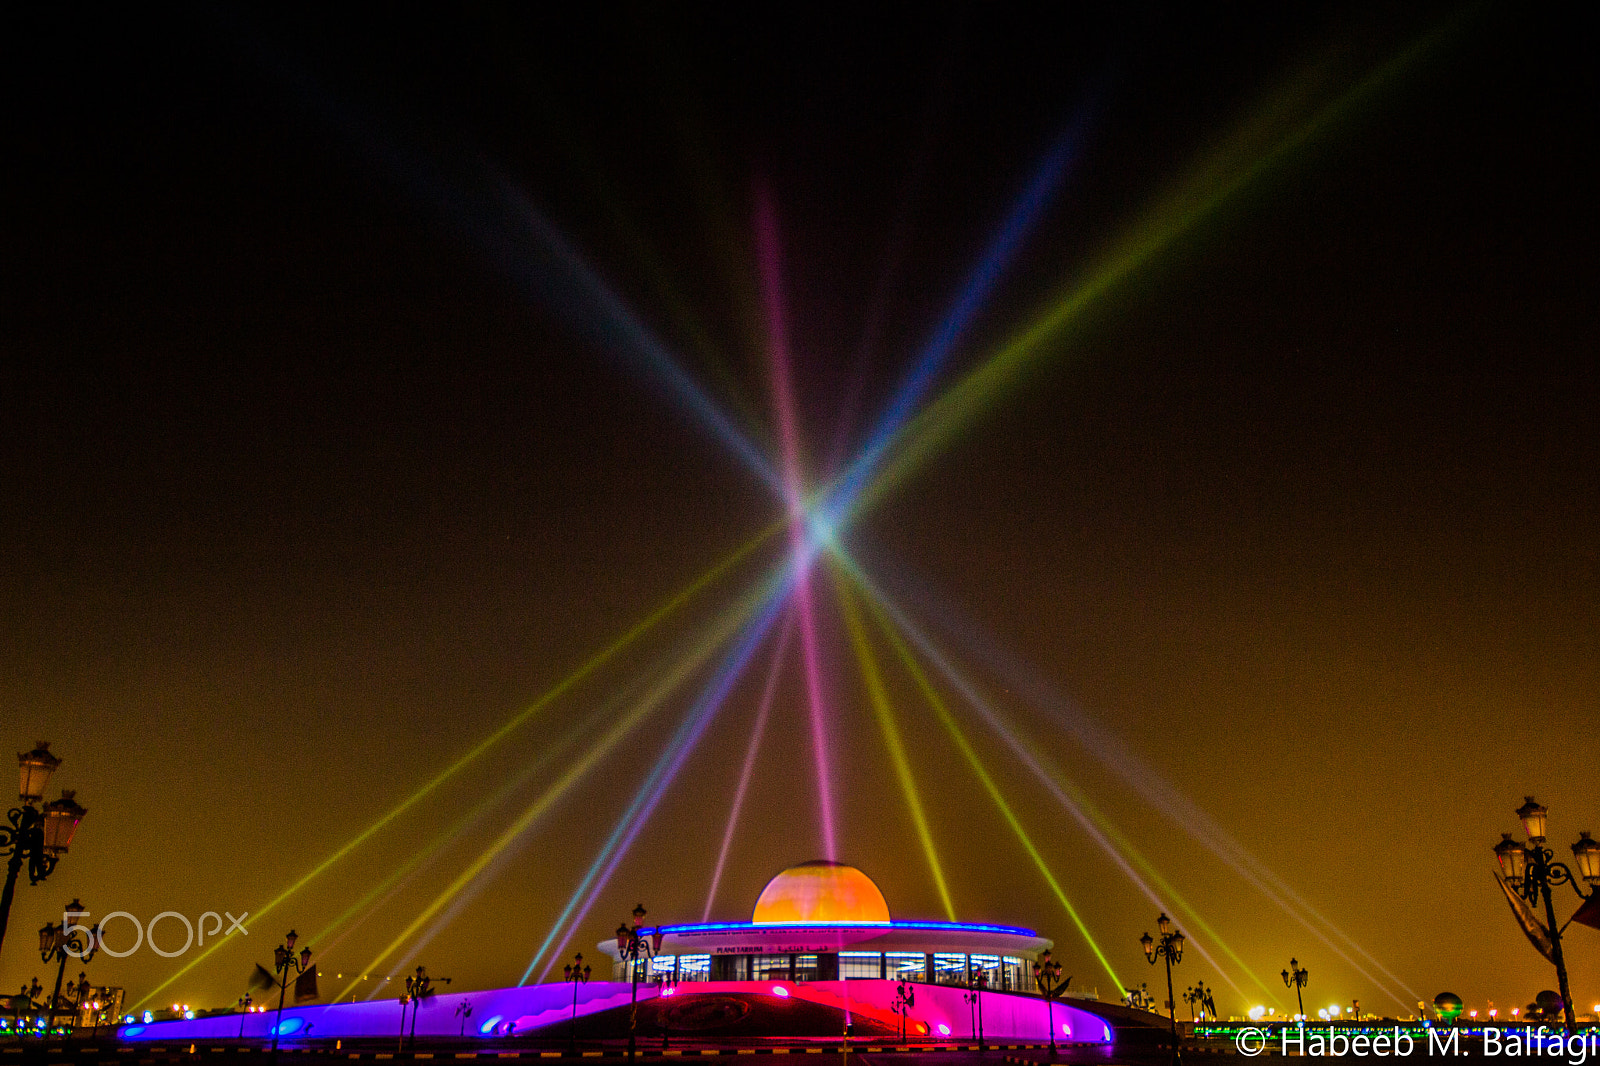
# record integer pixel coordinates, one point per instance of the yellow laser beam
(727, 625)
(1210, 185)
(584, 670)
(1054, 774)
(952, 727)
(884, 712)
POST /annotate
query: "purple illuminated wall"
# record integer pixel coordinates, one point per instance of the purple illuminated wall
(521, 1011)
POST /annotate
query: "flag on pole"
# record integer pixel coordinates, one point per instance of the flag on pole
(305, 986)
(1537, 934)
(1589, 913)
(261, 980)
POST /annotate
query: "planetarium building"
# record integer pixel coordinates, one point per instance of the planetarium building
(824, 921)
(820, 956)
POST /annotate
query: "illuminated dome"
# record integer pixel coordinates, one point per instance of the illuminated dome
(820, 891)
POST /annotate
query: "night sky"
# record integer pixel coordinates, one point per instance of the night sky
(317, 466)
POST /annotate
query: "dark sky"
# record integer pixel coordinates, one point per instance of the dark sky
(315, 470)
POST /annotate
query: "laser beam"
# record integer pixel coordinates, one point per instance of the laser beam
(724, 628)
(661, 776)
(674, 603)
(883, 711)
(794, 497)
(769, 690)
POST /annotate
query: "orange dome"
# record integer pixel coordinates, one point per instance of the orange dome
(821, 891)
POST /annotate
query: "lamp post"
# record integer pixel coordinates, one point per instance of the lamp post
(668, 986)
(244, 1010)
(976, 984)
(80, 992)
(576, 973)
(35, 835)
(1047, 976)
(1196, 999)
(464, 1009)
(905, 997)
(57, 943)
(1532, 871)
(1295, 977)
(285, 962)
(632, 946)
(24, 1000)
(1169, 948)
(418, 986)
(1200, 1002)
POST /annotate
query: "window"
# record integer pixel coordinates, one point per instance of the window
(905, 965)
(805, 968)
(949, 969)
(987, 967)
(858, 964)
(663, 966)
(1017, 977)
(694, 967)
(770, 967)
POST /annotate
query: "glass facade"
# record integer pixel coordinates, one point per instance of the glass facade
(1006, 973)
(949, 969)
(861, 964)
(986, 969)
(905, 966)
(770, 968)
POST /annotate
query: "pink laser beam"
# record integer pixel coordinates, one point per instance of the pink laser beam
(745, 773)
(794, 492)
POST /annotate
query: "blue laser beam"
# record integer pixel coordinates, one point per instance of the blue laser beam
(662, 774)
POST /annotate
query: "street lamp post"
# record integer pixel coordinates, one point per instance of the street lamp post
(1295, 977)
(24, 1000)
(244, 1011)
(1047, 976)
(576, 973)
(58, 943)
(632, 945)
(905, 997)
(464, 1009)
(80, 992)
(36, 835)
(285, 962)
(418, 986)
(1532, 871)
(1169, 948)
(1201, 1006)
(976, 985)
(668, 986)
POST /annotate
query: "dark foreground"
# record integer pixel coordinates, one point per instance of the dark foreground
(830, 1053)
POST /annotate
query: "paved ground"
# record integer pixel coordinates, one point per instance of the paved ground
(1141, 1050)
